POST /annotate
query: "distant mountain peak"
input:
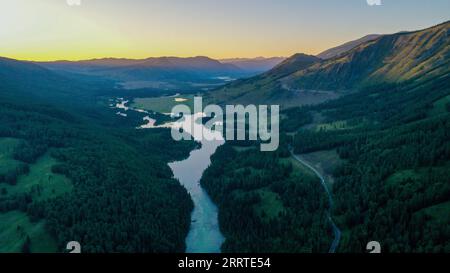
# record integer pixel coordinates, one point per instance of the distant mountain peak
(339, 50)
(294, 63)
(254, 65)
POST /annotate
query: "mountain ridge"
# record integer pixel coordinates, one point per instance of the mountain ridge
(22, 78)
(389, 59)
(341, 49)
(254, 65)
(154, 72)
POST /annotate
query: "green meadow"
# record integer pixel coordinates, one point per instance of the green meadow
(15, 227)
(270, 205)
(7, 163)
(41, 184)
(441, 106)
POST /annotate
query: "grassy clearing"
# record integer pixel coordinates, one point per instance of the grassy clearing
(325, 162)
(398, 177)
(7, 146)
(440, 106)
(40, 181)
(299, 167)
(411, 181)
(270, 205)
(413, 177)
(333, 126)
(15, 226)
(163, 104)
(439, 212)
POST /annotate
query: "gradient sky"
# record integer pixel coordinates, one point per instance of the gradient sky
(51, 29)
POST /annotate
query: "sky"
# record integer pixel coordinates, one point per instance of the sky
(44, 30)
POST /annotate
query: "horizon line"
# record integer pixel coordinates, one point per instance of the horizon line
(143, 58)
(223, 58)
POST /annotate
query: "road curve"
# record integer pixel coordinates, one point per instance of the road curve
(336, 230)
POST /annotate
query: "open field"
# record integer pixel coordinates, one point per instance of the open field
(412, 181)
(41, 184)
(325, 162)
(298, 167)
(15, 226)
(40, 181)
(410, 177)
(336, 125)
(7, 146)
(270, 205)
(439, 212)
(440, 106)
(7, 163)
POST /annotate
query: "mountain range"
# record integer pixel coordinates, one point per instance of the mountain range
(162, 72)
(59, 79)
(30, 81)
(387, 59)
(165, 72)
(300, 79)
(254, 65)
(381, 147)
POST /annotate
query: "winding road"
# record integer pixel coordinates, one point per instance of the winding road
(336, 230)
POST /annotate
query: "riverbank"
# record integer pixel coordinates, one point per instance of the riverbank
(204, 234)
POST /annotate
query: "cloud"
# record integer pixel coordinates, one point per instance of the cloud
(73, 2)
(374, 2)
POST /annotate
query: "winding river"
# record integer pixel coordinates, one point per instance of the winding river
(204, 234)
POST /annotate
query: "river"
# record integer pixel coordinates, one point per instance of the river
(204, 234)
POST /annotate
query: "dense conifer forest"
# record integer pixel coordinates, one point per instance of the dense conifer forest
(389, 130)
(267, 202)
(394, 186)
(122, 198)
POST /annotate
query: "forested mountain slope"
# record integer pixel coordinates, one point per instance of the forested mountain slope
(268, 202)
(393, 58)
(389, 59)
(262, 88)
(394, 186)
(336, 51)
(68, 175)
(390, 136)
(31, 82)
